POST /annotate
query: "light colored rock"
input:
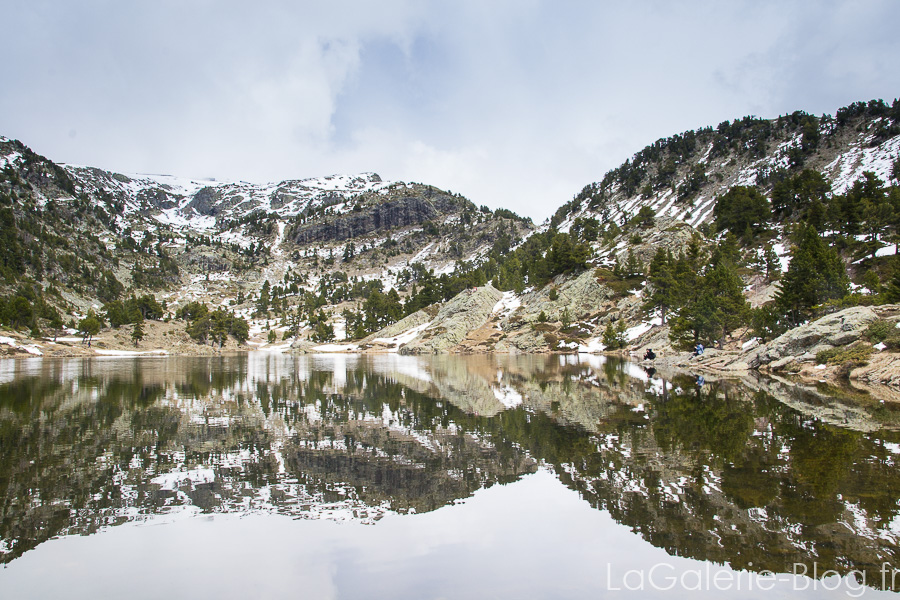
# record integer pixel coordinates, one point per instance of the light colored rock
(580, 296)
(838, 329)
(420, 317)
(467, 311)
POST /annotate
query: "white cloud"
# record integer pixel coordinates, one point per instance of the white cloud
(516, 104)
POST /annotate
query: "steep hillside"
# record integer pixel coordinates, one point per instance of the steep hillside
(693, 240)
(683, 175)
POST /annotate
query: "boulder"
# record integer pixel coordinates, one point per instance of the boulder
(801, 343)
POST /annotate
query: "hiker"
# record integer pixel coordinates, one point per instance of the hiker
(698, 350)
(650, 354)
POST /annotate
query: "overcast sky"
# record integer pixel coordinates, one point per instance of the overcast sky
(515, 103)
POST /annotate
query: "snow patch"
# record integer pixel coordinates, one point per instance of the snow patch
(507, 304)
(130, 352)
(592, 346)
(632, 333)
(403, 338)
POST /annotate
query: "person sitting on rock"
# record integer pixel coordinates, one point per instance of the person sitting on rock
(698, 350)
(649, 354)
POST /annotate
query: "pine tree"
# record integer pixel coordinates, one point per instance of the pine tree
(662, 283)
(610, 337)
(137, 334)
(765, 323)
(892, 290)
(633, 266)
(717, 308)
(262, 305)
(742, 208)
(771, 263)
(621, 336)
(816, 274)
(89, 327)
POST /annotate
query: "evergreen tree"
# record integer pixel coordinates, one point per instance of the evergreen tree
(741, 208)
(726, 251)
(686, 273)
(621, 336)
(137, 334)
(717, 308)
(633, 266)
(662, 283)
(89, 327)
(799, 193)
(871, 282)
(816, 274)
(892, 289)
(614, 336)
(262, 305)
(56, 323)
(765, 323)
(771, 263)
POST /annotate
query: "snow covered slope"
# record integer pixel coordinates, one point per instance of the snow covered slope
(182, 201)
(682, 176)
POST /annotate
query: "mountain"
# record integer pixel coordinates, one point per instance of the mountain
(81, 237)
(682, 176)
(685, 242)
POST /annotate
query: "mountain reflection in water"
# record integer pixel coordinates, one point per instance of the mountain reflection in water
(724, 472)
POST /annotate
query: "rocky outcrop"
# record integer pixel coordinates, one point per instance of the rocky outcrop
(582, 298)
(667, 233)
(802, 343)
(469, 310)
(418, 318)
(795, 352)
(205, 202)
(579, 296)
(412, 208)
(881, 371)
(156, 199)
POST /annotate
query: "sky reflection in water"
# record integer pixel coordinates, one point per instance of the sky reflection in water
(346, 476)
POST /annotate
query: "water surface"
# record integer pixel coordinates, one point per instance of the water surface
(444, 477)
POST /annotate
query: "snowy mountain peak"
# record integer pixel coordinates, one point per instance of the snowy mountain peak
(184, 201)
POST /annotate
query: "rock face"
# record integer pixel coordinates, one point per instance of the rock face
(414, 208)
(156, 199)
(583, 298)
(205, 202)
(420, 317)
(883, 369)
(802, 343)
(667, 233)
(464, 313)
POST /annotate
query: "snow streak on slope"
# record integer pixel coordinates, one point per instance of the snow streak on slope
(849, 166)
(722, 173)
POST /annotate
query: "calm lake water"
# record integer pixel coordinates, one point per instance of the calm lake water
(442, 477)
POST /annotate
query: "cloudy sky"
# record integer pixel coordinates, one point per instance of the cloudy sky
(516, 103)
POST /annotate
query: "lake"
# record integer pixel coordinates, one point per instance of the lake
(342, 476)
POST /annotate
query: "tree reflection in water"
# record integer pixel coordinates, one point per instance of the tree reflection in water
(722, 472)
